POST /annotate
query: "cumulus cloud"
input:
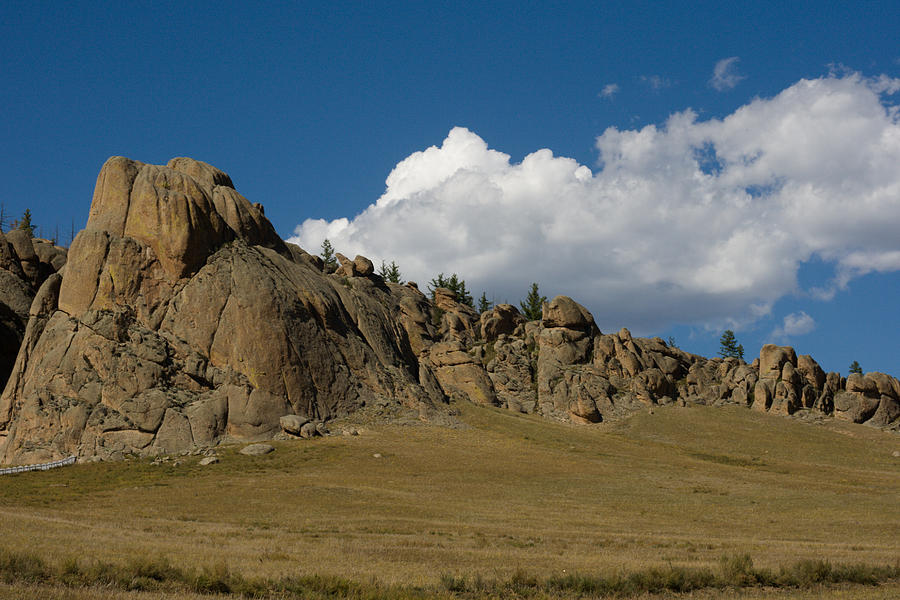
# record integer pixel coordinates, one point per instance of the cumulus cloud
(798, 323)
(609, 90)
(694, 221)
(725, 74)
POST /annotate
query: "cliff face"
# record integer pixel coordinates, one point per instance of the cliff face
(183, 320)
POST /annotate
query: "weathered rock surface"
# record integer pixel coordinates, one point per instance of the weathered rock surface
(25, 263)
(499, 320)
(459, 375)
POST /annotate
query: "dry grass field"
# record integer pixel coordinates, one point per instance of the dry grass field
(505, 496)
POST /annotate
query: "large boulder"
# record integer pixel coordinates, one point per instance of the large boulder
(500, 319)
(562, 311)
(772, 359)
(781, 382)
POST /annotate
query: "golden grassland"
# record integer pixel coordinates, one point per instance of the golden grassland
(504, 496)
(852, 592)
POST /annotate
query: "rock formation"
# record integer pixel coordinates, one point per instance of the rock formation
(25, 263)
(183, 320)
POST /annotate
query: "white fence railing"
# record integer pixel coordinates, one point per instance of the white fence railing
(42, 467)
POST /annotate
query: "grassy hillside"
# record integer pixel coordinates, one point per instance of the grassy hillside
(508, 496)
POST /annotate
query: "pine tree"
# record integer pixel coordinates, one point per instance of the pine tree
(462, 294)
(533, 304)
(390, 272)
(328, 256)
(484, 304)
(855, 368)
(25, 224)
(728, 346)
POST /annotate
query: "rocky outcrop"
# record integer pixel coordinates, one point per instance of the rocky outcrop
(25, 263)
(511, 363)
(562, 367)
(873, 398)
(459, 375)
(184, 320)
(567, 383)
(788, 384)
(454, 319)
(502, 319)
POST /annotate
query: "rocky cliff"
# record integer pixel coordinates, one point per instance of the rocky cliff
(183, 320)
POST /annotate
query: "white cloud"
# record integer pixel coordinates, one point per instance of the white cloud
(656, 82)
(885, 85)
(609, 90)
(689, 222)
(798, 323)
(725, 74)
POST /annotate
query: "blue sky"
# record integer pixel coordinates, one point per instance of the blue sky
(311, 107)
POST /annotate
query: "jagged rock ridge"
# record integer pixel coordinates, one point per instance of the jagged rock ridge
(183, 320)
